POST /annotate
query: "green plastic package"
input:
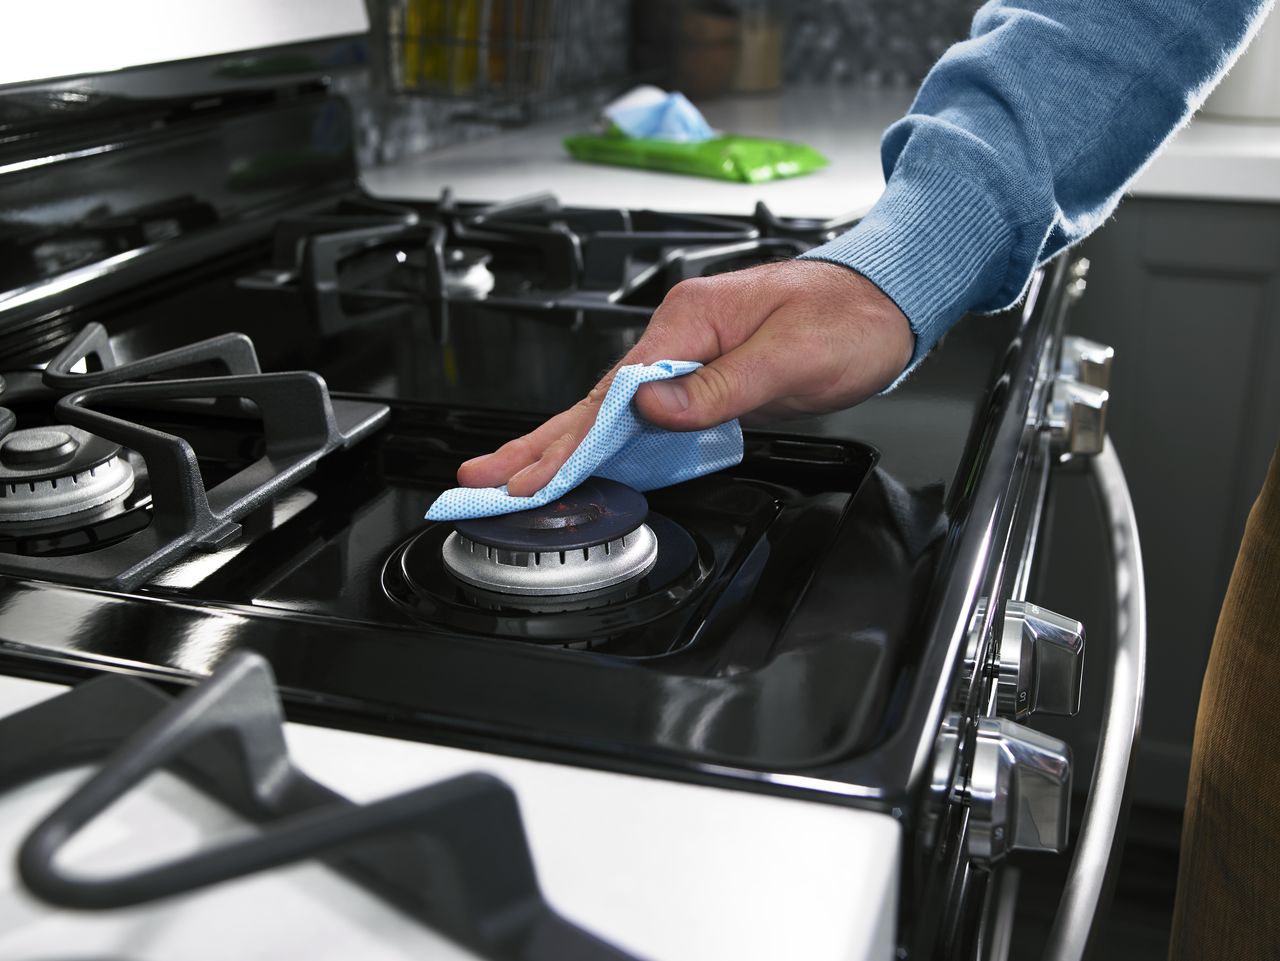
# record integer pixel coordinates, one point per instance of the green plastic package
(750, 160)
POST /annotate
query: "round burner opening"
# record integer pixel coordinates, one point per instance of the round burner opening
(551, 573)
(593, 538)
(415, 579)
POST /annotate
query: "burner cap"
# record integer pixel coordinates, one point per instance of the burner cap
(592, 538)
(48, 473)
(37, 447)
(595, 512)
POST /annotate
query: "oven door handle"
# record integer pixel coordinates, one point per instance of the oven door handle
(1093, 868)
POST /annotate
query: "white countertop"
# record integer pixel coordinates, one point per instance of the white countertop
(844, 125)
(1217, 159)
(1210, 159)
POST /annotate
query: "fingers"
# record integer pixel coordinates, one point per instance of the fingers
(537, 475)
(494, 470)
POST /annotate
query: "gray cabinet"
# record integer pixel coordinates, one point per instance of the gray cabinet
(1188, 293)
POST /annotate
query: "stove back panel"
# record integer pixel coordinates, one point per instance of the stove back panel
(148, 187)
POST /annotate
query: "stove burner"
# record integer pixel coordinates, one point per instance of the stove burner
(552, 573)
(467, 274)
(50, 473)
(591, 539)
(418, 580)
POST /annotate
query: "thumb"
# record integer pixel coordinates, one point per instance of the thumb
(740, 381)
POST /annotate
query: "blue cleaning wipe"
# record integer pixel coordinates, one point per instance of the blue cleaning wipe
(622, 446)
(671, 117)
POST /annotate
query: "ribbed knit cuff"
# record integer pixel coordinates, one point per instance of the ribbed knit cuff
(934, 243)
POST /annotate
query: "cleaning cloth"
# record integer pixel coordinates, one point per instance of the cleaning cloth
(622, 446)
(656, 130)
(651, 113)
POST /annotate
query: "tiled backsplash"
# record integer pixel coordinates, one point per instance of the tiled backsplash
(876, 43)
(571, 49)
(867, 43)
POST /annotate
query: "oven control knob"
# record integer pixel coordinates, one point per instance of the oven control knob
(1019, 791)
(1086, 361)
(1078, 416)
(1040, 662)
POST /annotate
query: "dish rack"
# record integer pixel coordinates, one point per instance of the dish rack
(517, 54)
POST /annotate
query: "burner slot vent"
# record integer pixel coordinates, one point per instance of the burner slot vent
(552, 572)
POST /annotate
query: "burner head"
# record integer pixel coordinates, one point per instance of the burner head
(592, 538)
(51, 473)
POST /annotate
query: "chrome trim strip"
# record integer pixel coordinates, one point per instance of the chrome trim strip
(1101, 834)
(1042, 464)
(32, 163)
(996, 938)
(22, 296)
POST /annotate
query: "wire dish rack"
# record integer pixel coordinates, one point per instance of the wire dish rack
(505, 53)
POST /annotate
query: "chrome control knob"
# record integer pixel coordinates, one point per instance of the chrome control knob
(1019, 791)
(1086, 361)
(1040, 662)
(1078, 416)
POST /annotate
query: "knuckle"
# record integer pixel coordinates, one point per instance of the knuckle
(689, 291)
(597, 393)
(521, 446)
(717, 387)
(659, 328)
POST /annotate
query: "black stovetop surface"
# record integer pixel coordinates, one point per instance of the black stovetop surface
(708, 662)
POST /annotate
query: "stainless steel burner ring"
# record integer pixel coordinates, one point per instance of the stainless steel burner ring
(48, 473)
(548, 573)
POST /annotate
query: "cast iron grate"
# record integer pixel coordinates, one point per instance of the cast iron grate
(452, 854)
(365, 261)
(301, 425)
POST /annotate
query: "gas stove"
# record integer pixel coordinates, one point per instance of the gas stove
(230, 391)
(267, 495)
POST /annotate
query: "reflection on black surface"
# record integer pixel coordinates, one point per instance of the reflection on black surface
(29, 252)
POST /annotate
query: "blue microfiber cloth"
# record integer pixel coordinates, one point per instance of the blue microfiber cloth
(650, 114)
(622, 446)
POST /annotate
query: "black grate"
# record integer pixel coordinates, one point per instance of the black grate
(300, 423)
(453, 854)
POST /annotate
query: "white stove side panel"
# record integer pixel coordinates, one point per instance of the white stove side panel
(672, 872)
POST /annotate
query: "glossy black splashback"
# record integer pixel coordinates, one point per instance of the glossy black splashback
(78, 212)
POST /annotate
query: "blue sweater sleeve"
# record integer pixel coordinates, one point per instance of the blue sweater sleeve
(1022, 139)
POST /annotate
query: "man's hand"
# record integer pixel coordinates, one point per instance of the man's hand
(797, 337)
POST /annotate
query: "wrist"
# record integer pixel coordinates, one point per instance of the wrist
(933, 244)
(878, 324)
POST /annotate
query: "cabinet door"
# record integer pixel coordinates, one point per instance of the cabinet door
(1188, 293)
